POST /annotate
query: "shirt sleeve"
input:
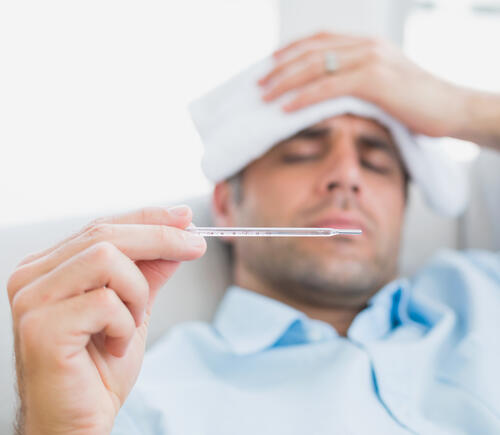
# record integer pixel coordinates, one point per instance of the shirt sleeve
(137, 417)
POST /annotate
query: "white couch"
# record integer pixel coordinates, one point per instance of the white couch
(196, 288)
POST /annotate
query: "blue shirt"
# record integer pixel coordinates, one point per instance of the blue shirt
(423, 357)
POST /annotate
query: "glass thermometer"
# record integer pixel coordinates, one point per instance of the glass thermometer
(270, 231)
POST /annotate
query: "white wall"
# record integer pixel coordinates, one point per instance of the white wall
(93, 96)
(384, 18)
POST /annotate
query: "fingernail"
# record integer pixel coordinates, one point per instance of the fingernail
(179, 210)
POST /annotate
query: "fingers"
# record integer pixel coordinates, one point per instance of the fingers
(310, 66)
(311, 53)
(139, 242)
(121, 252)
(178, 216)
(293, 74)
(156, 272)
(62, 330)
(300, 67)
(98, 266)
(312, 41)
(322, 89)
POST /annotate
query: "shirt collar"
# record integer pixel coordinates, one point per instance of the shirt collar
(251, 322)
(385, 311)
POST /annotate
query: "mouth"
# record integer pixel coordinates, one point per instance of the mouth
(341, 222)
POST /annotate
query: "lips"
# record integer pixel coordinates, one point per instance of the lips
(340, 222)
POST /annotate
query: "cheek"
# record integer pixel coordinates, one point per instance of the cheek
(387, 204)
(278, 196)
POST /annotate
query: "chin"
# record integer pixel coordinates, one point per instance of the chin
(338, 245)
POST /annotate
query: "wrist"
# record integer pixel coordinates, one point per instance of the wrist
(33, 418)
(479, 118)
(31, 427)
(34, 430)
(458, 117)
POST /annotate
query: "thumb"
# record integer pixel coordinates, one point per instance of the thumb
(157, 272)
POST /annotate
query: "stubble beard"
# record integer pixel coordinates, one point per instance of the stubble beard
(319, 278)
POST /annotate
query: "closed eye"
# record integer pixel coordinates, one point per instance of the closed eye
(377, 155)
(375, 168)
(298, 158)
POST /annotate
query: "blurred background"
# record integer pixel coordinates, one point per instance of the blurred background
(93, 94)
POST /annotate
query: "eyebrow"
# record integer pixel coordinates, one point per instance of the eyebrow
(310, 133)
(370, 140)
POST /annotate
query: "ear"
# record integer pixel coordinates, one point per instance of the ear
(222, 205)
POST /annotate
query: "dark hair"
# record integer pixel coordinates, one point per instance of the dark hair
(236, 182)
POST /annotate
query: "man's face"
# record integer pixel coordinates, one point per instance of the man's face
(344, 172)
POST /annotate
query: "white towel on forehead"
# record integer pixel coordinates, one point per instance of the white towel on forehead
(237, 127)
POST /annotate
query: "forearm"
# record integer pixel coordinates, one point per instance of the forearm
(480, 122)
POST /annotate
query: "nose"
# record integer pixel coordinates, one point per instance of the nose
(342, 172)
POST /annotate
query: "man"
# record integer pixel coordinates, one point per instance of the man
(317, 335)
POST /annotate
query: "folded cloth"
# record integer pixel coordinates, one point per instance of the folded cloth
(237, 127)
